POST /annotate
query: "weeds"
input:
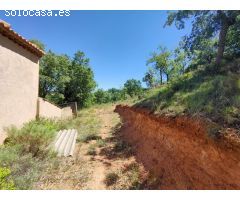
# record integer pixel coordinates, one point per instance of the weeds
(86, 137)
(122, 147)
(92, 150)
(128, 177)
(25, 151)
(101, 143)
(111, 178)
(87, 124)
(34, 137)
(196, 92)
(5, 182)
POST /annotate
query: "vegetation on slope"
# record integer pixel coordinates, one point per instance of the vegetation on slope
(215, 95)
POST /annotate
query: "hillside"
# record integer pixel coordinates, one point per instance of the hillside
(200, 92)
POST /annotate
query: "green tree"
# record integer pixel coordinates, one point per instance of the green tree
(54, 77)
(116, 94)
(82, 84)
(206, 25)
(133, 87)
(161, 61)
(150, 78)
(63, 79)
(38, 43)
(102, 96)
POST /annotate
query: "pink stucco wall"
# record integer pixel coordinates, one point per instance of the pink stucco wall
(48, 110)
(67, 112)
(19, 77)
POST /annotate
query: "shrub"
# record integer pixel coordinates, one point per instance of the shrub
(88, 137)
(100, 143)
(34, 137)
(92, 150)
(5, 182)
(26, 151)
(111, 178)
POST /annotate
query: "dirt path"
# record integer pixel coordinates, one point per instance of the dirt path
(99, 168)
(98, 163)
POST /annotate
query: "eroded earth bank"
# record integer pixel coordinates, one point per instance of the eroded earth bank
(180, 152)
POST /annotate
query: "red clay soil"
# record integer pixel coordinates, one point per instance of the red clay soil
(179, 152)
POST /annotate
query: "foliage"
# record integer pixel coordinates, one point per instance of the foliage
(54, 77)
(81, 84)
(198, 92)
(179, 63)
(38, 43)
(133, 87)
(117, 94)
(92, 150)
(161, 61)
(102, 96)
(111, 178)
(110, 95)
(5, 183)
(63, 79)
(25, 151)
(34, 137)
(87, 124)
(207, 25)
(150, 78)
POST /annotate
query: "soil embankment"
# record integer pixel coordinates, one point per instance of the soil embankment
(179, 152)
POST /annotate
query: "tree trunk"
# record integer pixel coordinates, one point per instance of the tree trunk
(161, 81)
(167, 77)
(221, 41)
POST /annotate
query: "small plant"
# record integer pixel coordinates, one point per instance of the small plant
(5, 182)
(111, 178)
(213, 131)
(88, 137)
(122, 146)
(92, 150)
(101, 143)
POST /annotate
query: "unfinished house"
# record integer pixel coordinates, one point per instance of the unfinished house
(19, 81)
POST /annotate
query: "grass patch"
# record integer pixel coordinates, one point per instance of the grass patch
(122, 147)
(111, 178)
(92, 150)
(87, 123)
(128, 178)
(101, 143)
(86, 137)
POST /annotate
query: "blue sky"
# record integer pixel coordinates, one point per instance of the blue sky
(118, 43)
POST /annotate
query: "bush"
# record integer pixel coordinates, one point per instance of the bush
(111, 178)
(88, 137)
(26, 151)
(5, 182)
(34, 137)
(92, 150)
